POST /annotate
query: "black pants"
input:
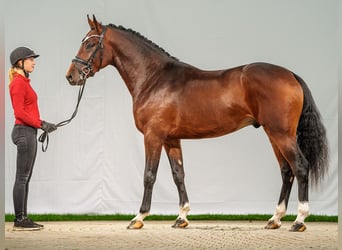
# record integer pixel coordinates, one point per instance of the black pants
(25, 138)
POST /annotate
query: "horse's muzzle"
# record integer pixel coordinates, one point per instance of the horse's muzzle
(73, 81)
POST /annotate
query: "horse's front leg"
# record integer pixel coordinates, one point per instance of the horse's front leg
(174, 152)
(153, 148)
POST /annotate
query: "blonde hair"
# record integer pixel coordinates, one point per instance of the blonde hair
(13, 70)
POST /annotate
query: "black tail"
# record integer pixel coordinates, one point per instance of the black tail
(311, 137)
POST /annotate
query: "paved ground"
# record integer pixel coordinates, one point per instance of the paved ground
(159, 235)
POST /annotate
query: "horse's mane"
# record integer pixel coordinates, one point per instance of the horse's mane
(137, 34)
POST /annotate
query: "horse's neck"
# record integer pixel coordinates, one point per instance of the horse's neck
(135, 66)
(135, 75)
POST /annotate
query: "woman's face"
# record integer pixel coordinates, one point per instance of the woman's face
(29, 64)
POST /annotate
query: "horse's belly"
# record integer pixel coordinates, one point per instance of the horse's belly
(197, 130)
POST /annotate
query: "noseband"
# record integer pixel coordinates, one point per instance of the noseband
(84, 71)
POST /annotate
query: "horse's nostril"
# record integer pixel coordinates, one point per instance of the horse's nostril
(69, 78)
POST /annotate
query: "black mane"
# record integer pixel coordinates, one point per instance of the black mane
(137, 34)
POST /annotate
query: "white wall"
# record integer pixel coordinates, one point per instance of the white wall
(96, 164)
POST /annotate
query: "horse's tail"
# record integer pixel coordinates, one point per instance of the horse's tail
(311, 136)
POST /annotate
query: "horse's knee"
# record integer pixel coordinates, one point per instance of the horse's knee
(150, 177)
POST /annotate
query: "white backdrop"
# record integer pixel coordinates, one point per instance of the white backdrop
(96, 164)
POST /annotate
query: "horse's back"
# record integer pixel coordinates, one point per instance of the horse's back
(191, 103)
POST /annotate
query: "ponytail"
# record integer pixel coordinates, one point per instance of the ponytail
(12, 70)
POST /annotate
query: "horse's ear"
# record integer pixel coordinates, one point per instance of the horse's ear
(91, 23)
(97, 25)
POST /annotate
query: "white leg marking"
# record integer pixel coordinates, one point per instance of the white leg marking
(140, 217)
(303, 212)
(183, 211)
(279, 213)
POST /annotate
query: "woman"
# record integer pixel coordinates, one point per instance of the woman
(24, 134)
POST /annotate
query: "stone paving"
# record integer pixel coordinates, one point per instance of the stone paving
(157, 235)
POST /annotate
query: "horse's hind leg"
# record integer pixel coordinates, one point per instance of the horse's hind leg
(290, 150)
(287, 179)
(302, 175)
(174, 152)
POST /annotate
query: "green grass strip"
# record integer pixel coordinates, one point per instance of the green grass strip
(128, 217)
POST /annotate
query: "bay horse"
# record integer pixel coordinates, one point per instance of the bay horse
(173, 100)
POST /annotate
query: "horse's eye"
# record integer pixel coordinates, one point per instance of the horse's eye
(89, 45)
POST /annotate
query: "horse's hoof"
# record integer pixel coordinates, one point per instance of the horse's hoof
(135, 224)
(272, 225)
(298, 227)
(180, 223)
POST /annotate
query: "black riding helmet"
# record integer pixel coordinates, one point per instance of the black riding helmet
(21, 53)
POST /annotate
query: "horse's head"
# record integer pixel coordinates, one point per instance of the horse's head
(90, 57)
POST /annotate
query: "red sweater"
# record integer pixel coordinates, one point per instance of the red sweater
(24, 102)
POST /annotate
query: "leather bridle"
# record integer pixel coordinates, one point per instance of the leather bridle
(87, 68)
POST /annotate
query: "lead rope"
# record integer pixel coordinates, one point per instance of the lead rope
(44, 137)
